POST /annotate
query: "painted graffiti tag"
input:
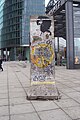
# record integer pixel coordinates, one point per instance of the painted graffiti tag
(39, 78)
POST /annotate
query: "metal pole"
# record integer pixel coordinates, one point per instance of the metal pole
(69, 34)
(6, 55)
(58, 43)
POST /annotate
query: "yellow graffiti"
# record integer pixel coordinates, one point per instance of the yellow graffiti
(42, 55)
(41, 83)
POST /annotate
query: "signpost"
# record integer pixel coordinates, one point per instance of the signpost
(42, 59)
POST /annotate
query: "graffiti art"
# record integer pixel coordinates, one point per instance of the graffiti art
(41, 50)
(42, 55)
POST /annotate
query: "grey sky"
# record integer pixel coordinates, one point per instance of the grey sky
(46, 2)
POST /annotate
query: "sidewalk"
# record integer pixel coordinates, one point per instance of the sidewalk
(14, 82)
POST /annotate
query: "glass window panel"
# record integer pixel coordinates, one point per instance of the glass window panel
(76, 14)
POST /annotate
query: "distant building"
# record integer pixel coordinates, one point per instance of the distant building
(14, 26)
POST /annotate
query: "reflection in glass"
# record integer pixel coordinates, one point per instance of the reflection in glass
(76, 14)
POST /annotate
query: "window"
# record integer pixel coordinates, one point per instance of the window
(76, 14)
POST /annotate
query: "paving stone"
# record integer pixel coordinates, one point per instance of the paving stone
(73, 112)
(17, 94)
(12, 87)
(3, 102)
(77, 88)
(44, 105)
(66, 103)
(23, 108)
(74, 94)
(4, 118)
(21, 100)
(32, 116)
(14, 84)
(16, 90)
(3, 87)
(77, 99)
(3, 96)
(54, 115)
(3, 91)
(3, 110)
(67, 90)
(63, 96)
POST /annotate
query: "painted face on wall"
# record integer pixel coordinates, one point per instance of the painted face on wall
(44, 23)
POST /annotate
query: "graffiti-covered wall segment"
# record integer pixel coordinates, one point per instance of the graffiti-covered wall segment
(42, 50)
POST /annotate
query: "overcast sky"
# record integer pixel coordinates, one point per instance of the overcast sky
(46, 2)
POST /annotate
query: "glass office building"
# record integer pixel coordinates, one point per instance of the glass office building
(15, 25)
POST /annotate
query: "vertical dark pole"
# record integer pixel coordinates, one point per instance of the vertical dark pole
(58, 43)
(15, 53)
(29, 48)
(6, 54)
(69, 34)
(2, 53)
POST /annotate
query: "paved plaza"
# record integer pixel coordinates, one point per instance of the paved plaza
(14, 82)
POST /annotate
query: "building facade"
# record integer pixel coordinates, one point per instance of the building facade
(66, 14)
(15, 26)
